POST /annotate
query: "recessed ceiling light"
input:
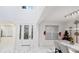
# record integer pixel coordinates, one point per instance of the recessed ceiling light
(27, 8)
(24, 7)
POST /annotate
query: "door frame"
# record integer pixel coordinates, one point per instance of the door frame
(23, 41)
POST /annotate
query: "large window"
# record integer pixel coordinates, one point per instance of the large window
(6, 30)
(51, 32)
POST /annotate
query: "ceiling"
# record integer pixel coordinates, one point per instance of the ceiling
(38, 14)
(17, 14)
(57, 13)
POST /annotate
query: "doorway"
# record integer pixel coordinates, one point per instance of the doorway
(51, 32)
(47, 39)
(7, 37)
(25, 38)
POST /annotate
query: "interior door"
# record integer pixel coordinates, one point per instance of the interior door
(24, 43)
(26, 32)
(50, 36)
(51, 32)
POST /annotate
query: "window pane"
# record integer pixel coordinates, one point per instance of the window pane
(20, 31)
(26, 31)
(32, 32)
(51, 32)
(6, 31)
